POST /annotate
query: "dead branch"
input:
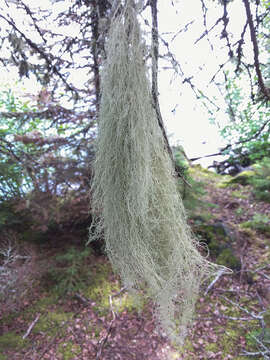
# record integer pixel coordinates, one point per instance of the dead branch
(253, 37)
(41, 52)
(54, 339)
(263, 350)
(219, 274)
(30, 328)
(82, 299)
(104, 340)
(251, 314)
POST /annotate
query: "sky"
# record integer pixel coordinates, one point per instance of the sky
(186, 120)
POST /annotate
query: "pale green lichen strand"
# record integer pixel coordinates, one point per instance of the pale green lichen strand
(135, 201)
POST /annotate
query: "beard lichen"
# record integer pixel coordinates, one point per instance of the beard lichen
(135, 202)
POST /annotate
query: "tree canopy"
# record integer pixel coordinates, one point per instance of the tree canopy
(46, 138)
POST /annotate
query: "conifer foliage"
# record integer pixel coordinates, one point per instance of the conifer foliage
(135, 200)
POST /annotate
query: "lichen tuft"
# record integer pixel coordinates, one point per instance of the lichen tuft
(135, 201)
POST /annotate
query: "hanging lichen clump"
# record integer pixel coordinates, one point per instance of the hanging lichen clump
(135, 200)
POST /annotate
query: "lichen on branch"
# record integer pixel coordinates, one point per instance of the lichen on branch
(135, 201)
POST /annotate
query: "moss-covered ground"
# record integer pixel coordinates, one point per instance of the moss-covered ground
(99, 320)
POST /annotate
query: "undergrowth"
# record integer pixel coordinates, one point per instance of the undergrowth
(70, 271)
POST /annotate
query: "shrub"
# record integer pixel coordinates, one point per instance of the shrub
(17, 271)
(261, 180)
(70, 271)
(259, 222)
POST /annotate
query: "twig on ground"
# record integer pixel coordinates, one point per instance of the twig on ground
(263, 351)
(260, 300)
(104, 340)
(234, 318)
(119, 292)
(262, 268)
(252, 314)
(31, 326)
(219, 274)
(257, 353)
(54, 339)
(82, 299)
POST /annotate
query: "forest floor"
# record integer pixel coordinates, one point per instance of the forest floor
(100, 320)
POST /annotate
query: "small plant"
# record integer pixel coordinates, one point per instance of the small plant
(261, 180)
(70, 272)
(259, 222)
(239, 212)
(259, 339)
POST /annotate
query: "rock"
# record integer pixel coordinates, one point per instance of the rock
(228, 259)
(242, 178)
(219, 239)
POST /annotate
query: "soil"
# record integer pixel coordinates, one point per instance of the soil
(230, 321)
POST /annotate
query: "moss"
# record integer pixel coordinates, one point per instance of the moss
(206, 216)
(233, 182)
(247, 232)
(243, 178)
(128, 302)
(181, 350)
(239, 194)
(228, 342)
(174, 355)
(228, 259)
(97, 330)
(251, 342)
(67, 351)
(51, 322)
(42, 304)
(12, 341)
(188, 345)
(259, 222)
(3, 357)
(198, 171)
(212, 347)
(217, 236)
(266, 318)
(240, 211)
(103, 287)
(226, 182)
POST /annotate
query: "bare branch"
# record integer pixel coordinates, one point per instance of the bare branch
(43, 55)
(264, 89)
(31, 326)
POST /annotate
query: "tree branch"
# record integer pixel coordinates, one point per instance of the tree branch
(43, 55)
(264, 89)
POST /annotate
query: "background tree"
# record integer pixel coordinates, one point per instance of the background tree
(59, 122)
(242, 80)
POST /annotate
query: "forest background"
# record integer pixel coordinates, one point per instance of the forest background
(49, 123)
